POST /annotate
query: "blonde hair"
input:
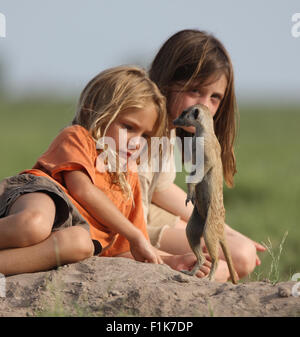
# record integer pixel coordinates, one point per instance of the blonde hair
(108, 95)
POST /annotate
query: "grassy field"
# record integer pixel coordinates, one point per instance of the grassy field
(264, 204)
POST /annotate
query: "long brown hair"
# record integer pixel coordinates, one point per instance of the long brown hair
(191, 56)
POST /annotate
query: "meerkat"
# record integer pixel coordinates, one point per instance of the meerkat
(208, 217)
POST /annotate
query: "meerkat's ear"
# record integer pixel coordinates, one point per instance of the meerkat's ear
(196, 113)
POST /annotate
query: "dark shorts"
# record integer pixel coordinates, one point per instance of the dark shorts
(66, 213)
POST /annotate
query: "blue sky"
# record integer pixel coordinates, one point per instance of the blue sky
(57, 46)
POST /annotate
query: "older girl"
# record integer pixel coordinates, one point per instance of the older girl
(194, 67)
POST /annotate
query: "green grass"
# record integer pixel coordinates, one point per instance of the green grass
(264, 204)
(26, 130)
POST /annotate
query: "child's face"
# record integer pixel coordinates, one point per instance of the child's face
(137, 123)
(210, 95)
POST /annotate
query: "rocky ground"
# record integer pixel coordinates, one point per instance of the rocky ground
(123, 287)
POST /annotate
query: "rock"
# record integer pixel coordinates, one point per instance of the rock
(284, 291)
(102, 286)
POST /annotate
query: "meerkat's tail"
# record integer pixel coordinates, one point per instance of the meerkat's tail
(233, 274)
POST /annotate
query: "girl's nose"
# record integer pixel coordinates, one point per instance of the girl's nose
(203, 100)
(134, 143)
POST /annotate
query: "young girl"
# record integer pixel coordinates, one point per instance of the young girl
(194, 67)
(65, 209)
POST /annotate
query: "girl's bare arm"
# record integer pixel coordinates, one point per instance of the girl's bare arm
(103, 209)
(173, 200)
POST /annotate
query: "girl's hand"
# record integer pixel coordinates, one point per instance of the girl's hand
(143, 251)
(259, 248)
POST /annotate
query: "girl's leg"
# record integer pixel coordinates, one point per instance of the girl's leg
(29, 221)
(68, 245)
(174, 241)
(243, 253)
(27, 244)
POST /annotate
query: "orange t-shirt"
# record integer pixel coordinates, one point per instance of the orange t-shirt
(75, 149)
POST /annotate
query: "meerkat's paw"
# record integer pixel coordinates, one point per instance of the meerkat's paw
(187, 272)
(188, 199)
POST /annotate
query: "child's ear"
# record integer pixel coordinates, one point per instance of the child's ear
(196, 113)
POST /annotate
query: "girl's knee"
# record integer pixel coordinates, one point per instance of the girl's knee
(83, 243)
(33, 226)
(78, 243)
(245, 261)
